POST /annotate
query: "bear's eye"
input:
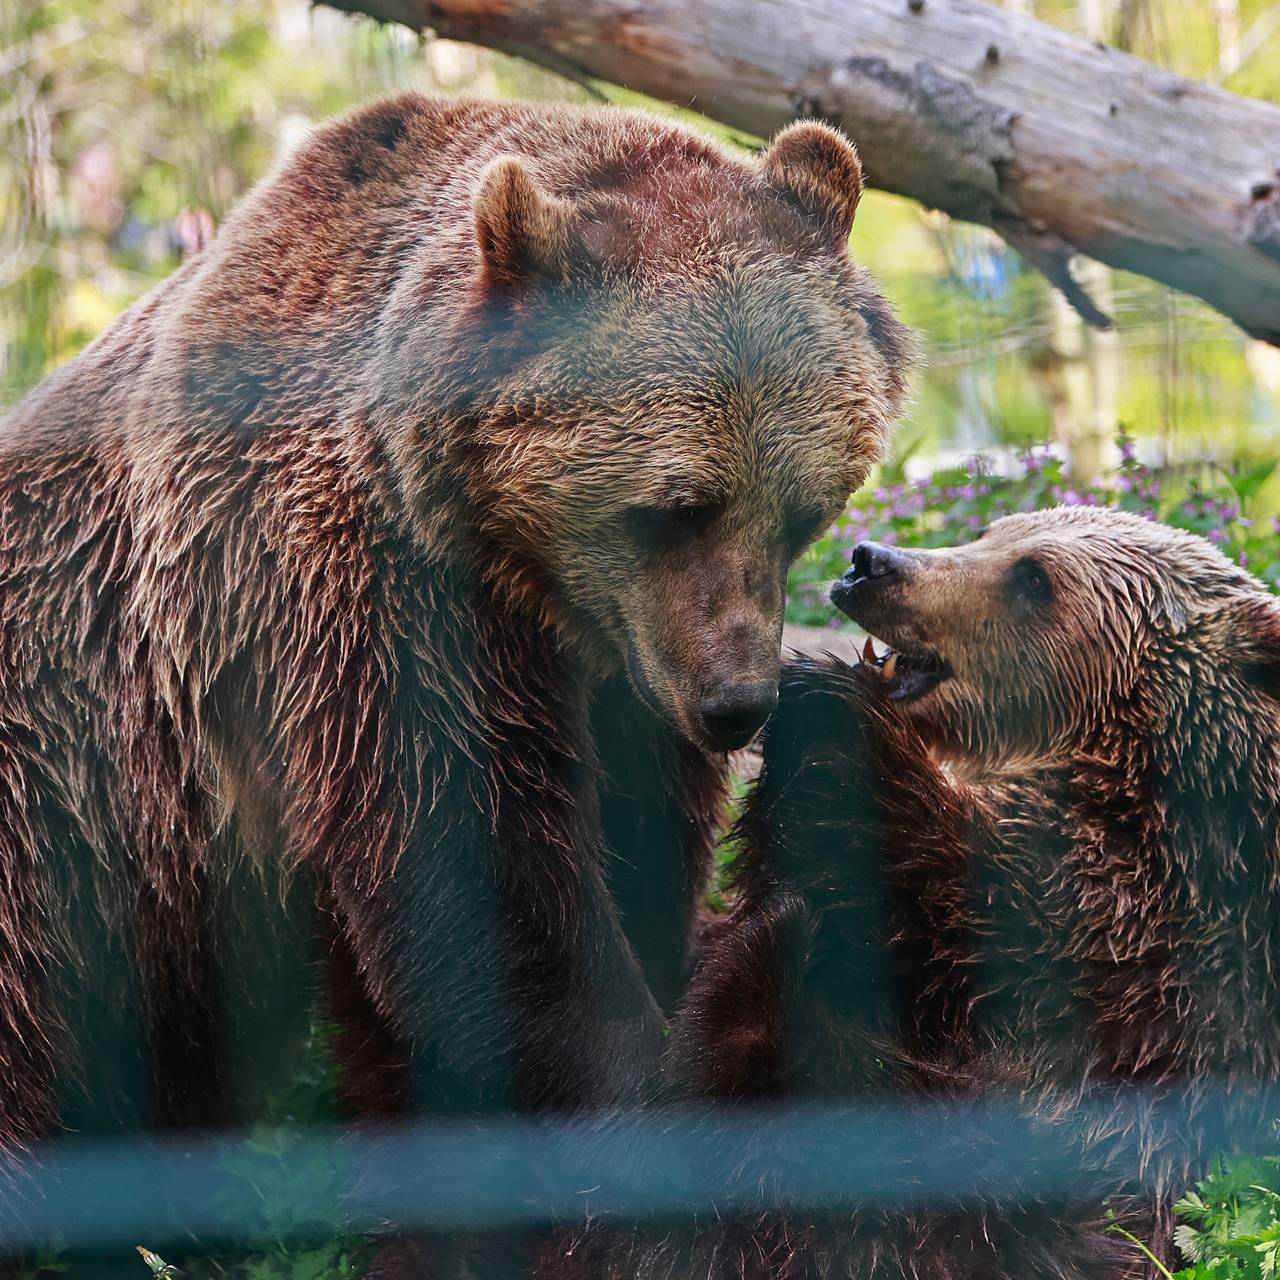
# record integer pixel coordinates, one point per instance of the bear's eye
(658, 526)
(802, 528)
(1028, 580)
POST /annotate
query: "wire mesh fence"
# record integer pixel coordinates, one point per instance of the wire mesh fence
(681, 1164)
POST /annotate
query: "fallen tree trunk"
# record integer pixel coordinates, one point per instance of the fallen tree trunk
(1061, 144)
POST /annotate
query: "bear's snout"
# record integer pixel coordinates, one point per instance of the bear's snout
(874, 566)
(734, 712)
(873, 561)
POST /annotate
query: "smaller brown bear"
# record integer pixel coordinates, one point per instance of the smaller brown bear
(1031, 854)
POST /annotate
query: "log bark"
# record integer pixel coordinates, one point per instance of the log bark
(1061, 144)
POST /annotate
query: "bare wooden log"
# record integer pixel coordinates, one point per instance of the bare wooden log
(1061, 144)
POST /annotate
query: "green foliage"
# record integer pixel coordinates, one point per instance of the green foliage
(719, 892)
(297, 1187)
(46, 1261)
(1229, 1226)
(956, 503)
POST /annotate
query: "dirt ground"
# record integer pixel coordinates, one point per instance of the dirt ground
(819, 640)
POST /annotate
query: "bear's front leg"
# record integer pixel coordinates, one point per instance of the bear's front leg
(446, 793)
(853, 815)
(849, 841)
(493, 948)
(463, 857)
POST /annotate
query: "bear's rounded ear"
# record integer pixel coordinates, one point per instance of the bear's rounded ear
(1262, 641)
(523, 231)
(816, 168)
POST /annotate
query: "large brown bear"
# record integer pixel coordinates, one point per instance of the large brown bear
(1032, 855)
(477, 425)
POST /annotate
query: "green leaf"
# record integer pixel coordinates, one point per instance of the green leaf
(1190, 1206)
(1190, 1243)
(1244, 484)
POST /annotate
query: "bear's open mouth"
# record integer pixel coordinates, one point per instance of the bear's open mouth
(909, 675)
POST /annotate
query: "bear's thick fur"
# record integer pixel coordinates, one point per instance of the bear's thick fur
(1033, 858)
(478, 425)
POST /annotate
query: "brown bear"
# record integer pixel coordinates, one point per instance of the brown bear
(420, 544)
(1029, 856)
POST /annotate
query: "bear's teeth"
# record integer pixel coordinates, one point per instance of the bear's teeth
(890, 666)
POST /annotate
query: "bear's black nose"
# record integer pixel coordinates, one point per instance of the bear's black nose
(873, 560)
(734, 711)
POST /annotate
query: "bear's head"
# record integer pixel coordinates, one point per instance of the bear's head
(693, 377)
(1074, 633)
